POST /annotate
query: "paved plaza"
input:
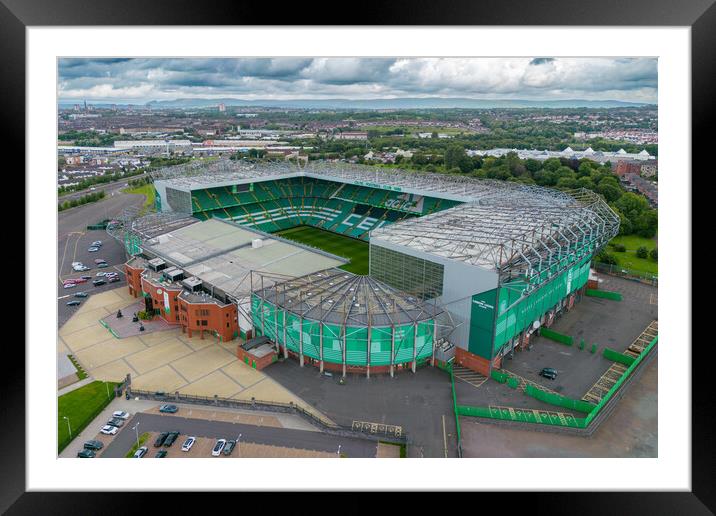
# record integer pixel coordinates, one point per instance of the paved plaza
(165, 360)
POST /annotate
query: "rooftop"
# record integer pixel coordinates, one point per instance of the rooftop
(517, 234)
(223, 255)
(339, 297)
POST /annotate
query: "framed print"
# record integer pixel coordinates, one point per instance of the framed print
(431, 242)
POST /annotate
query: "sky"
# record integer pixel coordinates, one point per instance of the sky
(140, 80)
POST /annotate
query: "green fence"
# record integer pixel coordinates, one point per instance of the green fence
(543, 417)
(615, 356)
(555, 336)
(457, 418)
(558, 400)
(499, 376)
(621, 380)
(546, 417)
(605, 294)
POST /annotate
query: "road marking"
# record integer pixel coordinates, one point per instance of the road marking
(62, 297)
(444, 437)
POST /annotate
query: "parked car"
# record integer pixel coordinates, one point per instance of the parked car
(121, 414)
(549, 373)
(85, 453)
(168, 409)
(160, 454)
(81, 294)
(171, 438)
(160, 439)
(74, 302)
(101, 274)
(108, 430)
(69, 285)
(114, 279)
(116, 422)
(93, 249)
(141, 452)
(97, 243)
(100, 260)
(99, 282)
(94, 445)
(188, 443)
(85, 278)
(229, 447)
(218, 447)
(103, 265)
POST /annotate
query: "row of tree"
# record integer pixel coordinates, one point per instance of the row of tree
(91, 197)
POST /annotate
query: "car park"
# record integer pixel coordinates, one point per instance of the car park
(94, 445)
(116, 422)
(548, 373)
(160, 454)
(74, 302)
(160, 439)
(188, 443)
(121, 414)
(218, 447)
(229, 447)
(81, 294)
(99, 282)
(171, 438)
(141, 452)
(108, 430)
(86, 453)
(168, 409)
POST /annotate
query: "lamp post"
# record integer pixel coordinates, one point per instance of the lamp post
(339, 451)
(238, 445)
(107, 385)
(136, 430)
(68, 425)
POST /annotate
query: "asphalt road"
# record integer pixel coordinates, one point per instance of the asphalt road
(107, 188)
(287, 437)
(73, 240)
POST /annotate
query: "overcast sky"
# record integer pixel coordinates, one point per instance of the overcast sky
(142, 80)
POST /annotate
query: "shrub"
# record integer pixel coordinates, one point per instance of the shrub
(654, 254)
(619, 248)
(604, 257)
(642, 252)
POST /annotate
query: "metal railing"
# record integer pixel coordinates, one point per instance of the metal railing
(617, 270)
(271, 406)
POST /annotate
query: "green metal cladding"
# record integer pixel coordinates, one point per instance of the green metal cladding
(500, 314)
(312, 336)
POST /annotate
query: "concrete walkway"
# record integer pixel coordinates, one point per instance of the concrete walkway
(74, 386)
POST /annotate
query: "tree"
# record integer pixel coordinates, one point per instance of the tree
(654, 254)
(610, 192)
(646, 223)
(642, 252)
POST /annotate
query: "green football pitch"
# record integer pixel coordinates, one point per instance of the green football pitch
(355, 250)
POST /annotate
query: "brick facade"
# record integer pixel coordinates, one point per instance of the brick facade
(220, 320)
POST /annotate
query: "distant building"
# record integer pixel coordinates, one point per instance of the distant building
(351, 135)
(649, 169)
(222, 108)
(622, 168)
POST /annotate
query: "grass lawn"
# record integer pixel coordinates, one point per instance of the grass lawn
(355, 250)
(148, 192)
(628, 259)
(81, 406)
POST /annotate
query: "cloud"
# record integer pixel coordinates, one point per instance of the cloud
(144, 79)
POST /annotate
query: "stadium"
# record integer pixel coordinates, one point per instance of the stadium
(362, 269)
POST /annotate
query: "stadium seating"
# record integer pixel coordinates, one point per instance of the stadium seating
(347, 209)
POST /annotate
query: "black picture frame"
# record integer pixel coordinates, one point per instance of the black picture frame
(700, 15)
